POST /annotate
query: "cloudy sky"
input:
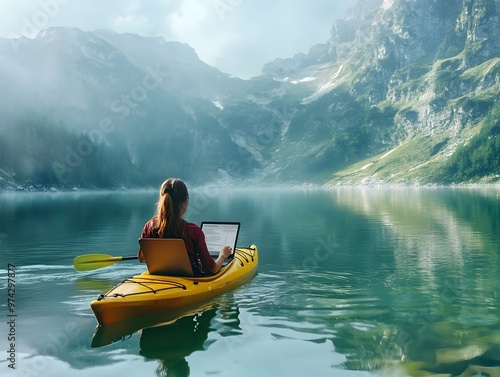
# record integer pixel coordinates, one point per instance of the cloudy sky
(236, 36)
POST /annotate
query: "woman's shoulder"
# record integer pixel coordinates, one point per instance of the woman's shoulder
(148, 229)
(194, 231)
(192, 227)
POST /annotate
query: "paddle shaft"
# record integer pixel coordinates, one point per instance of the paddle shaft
(130, 258)
(96, 261)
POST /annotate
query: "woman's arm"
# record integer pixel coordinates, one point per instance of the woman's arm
(224, 253)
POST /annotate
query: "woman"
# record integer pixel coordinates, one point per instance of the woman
(168, 223)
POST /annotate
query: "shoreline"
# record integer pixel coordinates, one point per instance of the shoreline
(237, 187)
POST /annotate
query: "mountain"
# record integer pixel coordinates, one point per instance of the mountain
(400, 92)
(102, 109)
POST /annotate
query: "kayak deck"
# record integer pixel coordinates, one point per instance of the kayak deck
(147, 294)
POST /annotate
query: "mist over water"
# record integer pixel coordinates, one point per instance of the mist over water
(351, 282)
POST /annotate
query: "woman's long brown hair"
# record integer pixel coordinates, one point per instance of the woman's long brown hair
(167, 220)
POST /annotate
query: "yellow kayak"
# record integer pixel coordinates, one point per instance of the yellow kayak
(147, 294)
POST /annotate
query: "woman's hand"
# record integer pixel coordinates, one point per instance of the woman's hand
(225, 252)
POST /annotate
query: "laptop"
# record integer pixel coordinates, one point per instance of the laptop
(220, 234)
(166, 256)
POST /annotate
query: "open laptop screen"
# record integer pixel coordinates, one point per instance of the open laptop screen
(220, 234)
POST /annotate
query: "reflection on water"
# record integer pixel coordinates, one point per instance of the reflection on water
(171, 344)
(87, 284)
(171, 340)
(351, 282)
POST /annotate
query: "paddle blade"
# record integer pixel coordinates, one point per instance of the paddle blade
(94, 261)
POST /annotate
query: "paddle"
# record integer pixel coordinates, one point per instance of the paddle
(94, 261)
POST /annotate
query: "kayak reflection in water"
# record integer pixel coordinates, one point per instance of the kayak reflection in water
(168, 222)
(172, 343)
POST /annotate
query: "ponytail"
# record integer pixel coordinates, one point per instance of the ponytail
(168, 223)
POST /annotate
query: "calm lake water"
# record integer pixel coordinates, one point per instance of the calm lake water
(351, 282)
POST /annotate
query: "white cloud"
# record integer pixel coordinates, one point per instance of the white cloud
(236, 36)
(198, 24)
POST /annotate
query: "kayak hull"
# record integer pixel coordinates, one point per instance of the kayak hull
(147, 294)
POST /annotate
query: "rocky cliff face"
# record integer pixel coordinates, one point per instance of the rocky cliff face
(430, 67)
